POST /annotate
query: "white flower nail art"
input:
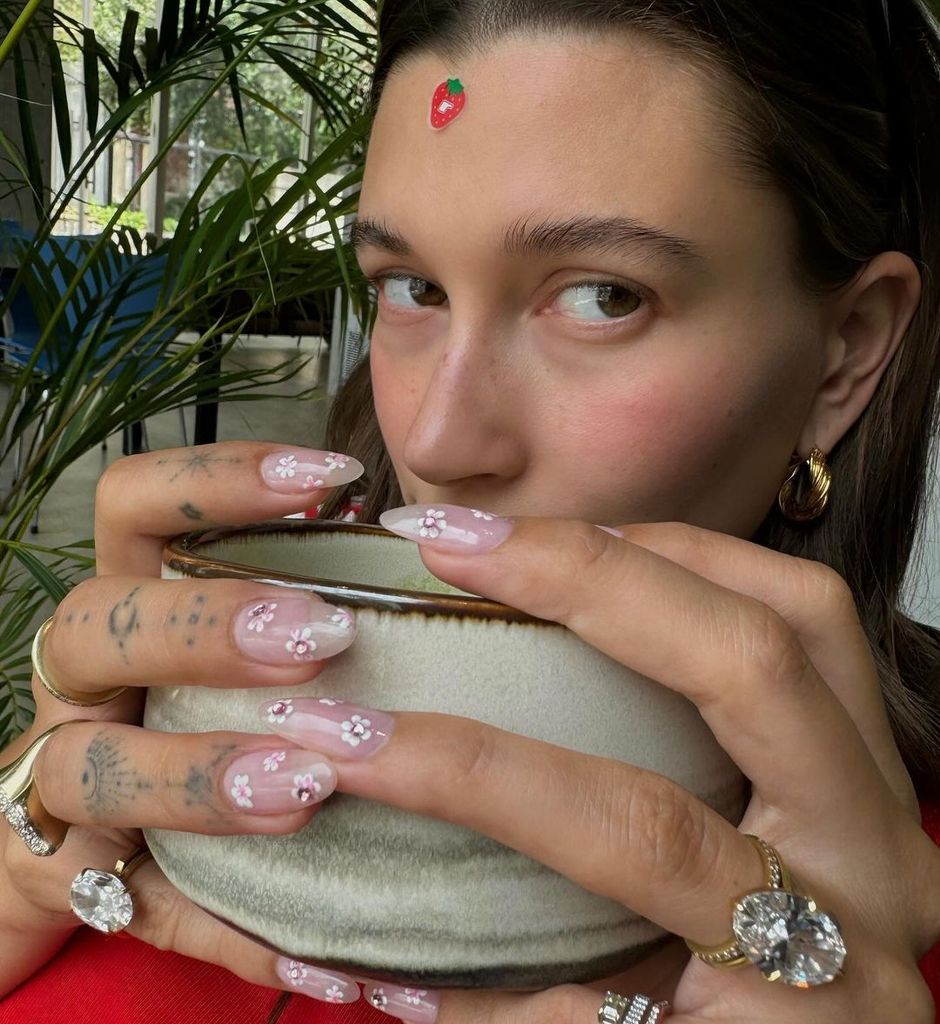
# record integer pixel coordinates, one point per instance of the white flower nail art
(433, 523)
(286, 467)
(305, 788)
(356, 730)
(310, 482)
(477, 514)
(414, 995)
(279, 710)
(331, 701)
(334, 994)
(301, 644)
(260, 614)
(272, 761)
(378, 998)
(242, 791)
(296, 973)
(336, 461)
(342, 618)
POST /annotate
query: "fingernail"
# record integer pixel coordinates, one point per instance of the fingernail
(452, 528)
(610, 529)
(289, 630)
(329, 724)
(272, 781)
(307, 469)
(415, 1004)
(317, 982)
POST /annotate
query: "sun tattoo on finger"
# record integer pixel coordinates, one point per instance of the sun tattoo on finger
(108, 779)
(196, 465)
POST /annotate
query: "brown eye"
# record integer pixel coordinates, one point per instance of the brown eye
(407, 292)
(611, 301)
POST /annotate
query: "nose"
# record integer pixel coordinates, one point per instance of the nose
(472, 413)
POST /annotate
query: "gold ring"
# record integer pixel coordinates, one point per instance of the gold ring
(764, 921)
(73, 697)
(42, 833)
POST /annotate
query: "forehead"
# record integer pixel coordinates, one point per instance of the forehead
(556, 124)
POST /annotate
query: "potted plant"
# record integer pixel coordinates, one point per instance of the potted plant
(110, 307)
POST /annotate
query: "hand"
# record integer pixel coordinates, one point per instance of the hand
(774, 656)
(127, 627)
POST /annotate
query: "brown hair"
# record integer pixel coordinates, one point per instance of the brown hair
(834, 107)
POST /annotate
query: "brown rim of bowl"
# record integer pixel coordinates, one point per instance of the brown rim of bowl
(180, 555)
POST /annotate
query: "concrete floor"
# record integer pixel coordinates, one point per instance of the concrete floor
(67, 514)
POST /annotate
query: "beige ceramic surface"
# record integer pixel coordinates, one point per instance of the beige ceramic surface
(390, 894)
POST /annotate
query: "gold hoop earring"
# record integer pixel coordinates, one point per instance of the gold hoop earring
(813, 505)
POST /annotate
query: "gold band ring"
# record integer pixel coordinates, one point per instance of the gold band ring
(73, 697)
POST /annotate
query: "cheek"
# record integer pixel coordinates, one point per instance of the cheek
(396, 398)
(667, 447)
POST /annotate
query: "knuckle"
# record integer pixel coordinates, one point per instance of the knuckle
(827, 590)
(472, 759)
(769, 646)
(585, 562)
(664, 828)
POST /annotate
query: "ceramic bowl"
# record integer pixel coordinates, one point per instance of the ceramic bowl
(374, 890)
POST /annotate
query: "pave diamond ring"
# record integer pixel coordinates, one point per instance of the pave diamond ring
(102, 899)
(783, 933)
(42, 833)
(618, 1009)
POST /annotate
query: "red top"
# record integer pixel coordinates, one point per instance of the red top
(117, 979)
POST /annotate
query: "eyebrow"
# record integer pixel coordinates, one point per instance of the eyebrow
(609, 235)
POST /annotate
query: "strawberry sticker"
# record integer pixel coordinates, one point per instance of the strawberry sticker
(448, 101)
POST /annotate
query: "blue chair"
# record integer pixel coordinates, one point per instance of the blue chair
(113, 301)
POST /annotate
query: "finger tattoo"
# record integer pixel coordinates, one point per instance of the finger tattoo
(108, 780)
(124, 621)
(195, 465)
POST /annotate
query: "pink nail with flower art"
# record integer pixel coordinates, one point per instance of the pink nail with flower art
(330, 724)
(275, 781)
(453, 528)
(317, 982)
(293, 630)
(419, 1005)
(307, 469)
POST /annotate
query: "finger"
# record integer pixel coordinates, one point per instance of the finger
(163, 917)
(817, 604)
(628, 834)
(215, 783)
(738, 660)
(220, 633)
(143, 499)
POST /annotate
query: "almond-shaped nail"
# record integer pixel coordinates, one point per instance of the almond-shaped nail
(453, 528)
(329, 724)
(297, 470)
(278, 781)
(293, 630)
(317, 982)
(419, 1005)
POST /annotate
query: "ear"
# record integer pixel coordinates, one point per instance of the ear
(868, 322)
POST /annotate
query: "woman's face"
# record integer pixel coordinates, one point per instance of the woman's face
(532, 360)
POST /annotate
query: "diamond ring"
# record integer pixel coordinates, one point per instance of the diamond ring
(41, 831)
(102, 899)
(618, 1009)
(783, 933)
